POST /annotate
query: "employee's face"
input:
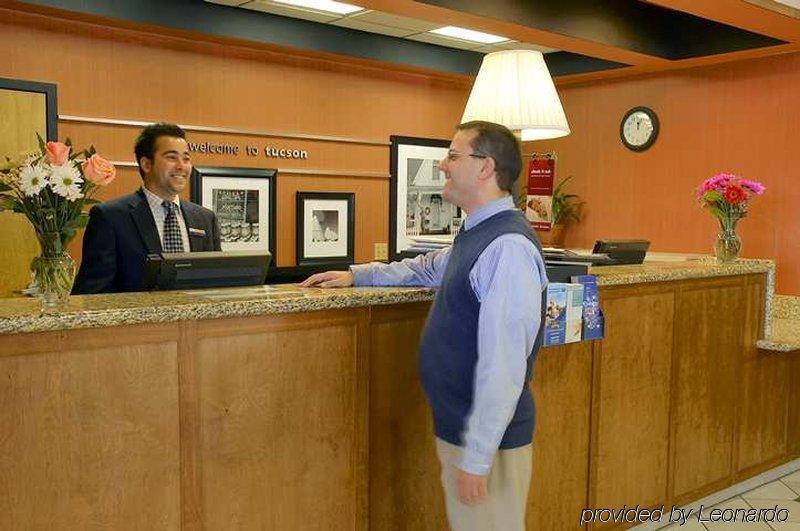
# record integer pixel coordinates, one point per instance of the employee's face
(168, 173)
(461, 170)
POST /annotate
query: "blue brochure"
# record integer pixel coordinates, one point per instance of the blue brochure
(592, 315)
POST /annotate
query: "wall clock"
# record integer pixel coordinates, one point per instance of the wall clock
(639, 128)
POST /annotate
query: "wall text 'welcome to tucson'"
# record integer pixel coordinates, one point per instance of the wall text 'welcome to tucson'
(215, 148)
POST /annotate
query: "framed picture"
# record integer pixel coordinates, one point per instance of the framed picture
(244, 201)
(325, 227)
(416, 204)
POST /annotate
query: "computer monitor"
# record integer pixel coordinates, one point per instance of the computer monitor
(623, 251)
(210, 269)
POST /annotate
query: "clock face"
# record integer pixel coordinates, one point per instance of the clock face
(639, 128)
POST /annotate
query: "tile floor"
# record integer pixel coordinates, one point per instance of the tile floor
(783, 493)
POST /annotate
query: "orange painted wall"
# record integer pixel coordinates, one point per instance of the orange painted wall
(129, 75)
(739, 117)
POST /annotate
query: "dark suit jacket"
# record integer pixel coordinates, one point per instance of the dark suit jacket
(120, 235)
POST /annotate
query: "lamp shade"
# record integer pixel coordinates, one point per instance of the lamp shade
(514, 89)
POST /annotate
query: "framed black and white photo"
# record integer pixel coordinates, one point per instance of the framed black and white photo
(325, 227)
(416, 204)
(244, 201)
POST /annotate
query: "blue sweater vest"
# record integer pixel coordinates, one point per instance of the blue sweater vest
(449, 344)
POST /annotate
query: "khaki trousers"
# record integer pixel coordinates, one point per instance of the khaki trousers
(509, 481)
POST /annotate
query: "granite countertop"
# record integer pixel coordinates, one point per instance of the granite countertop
(666, 270)
(18, 315)
(785, 336)
(92, 311)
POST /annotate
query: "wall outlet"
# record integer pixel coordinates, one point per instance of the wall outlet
(381, 251)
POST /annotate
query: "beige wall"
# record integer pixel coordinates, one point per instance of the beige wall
(23, 115)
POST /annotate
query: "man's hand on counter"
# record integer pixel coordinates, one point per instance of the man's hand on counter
(329, 279)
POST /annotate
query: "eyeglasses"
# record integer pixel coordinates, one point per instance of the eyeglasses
(453, 156)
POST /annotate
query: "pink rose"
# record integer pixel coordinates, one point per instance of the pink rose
(56, 153)
(98, 170)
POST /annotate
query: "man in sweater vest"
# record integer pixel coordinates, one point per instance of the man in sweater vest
(482, 334)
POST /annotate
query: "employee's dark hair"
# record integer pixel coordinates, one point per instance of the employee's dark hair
(498, 142)
(146, 143)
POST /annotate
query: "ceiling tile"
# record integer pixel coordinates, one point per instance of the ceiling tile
(790, 8)
(380, 23)
(356, 23)
(228, 2)
(395, 21)
(441, 40)
(513, 45)
(286, 11)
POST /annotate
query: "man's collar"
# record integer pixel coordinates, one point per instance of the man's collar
(155, 199)
(488, 210)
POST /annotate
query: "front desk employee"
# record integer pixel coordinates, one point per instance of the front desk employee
(482, 334)
(121, 233)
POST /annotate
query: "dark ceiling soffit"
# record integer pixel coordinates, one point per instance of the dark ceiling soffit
(265, 28)
(568, 63)
(230, 22)
(628, 24)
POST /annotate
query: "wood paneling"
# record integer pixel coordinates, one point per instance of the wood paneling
(316, 420)
(630, 417)
(706, 376)
(762, 421)
(739, 117)
(405, 490)
(279, 446)
(562, 385)
(89, 432)
(793, 428)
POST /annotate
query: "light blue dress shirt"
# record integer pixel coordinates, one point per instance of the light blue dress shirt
(508, 279)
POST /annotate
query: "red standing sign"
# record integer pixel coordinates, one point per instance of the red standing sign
(539, 203)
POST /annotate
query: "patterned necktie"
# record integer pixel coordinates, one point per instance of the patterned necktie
(173, 243)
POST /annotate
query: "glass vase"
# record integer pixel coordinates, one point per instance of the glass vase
(727, 245)
(54, 274)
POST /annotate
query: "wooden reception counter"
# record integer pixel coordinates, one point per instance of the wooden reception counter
(300, 409)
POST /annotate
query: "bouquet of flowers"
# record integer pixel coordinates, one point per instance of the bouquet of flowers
(726, 197)
(52, 187)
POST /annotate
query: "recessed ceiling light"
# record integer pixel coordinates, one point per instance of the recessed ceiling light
(340, 8)
(469, 35)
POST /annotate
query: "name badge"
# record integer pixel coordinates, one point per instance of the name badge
(196, 232)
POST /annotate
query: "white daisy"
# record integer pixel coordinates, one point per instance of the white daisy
(32, 179)
(66, 181)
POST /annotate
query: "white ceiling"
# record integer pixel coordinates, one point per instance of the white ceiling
(380, 22)
(790, 8)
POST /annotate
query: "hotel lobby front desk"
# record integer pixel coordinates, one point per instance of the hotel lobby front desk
(301, 409)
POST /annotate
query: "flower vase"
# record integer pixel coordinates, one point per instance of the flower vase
(54, 274)
(727, 245)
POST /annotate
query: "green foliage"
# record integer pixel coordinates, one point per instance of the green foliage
(566, 207)
(53, 207)
(10, 203)
(41, 142)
